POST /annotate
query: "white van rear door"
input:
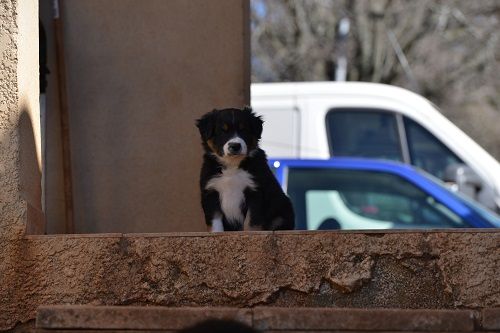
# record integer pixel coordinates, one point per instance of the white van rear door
(281, 135)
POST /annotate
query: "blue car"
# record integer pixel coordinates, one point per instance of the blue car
(355, 193)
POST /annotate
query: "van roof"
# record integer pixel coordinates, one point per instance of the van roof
(324, 88)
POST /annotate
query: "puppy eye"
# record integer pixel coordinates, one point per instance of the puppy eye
(225, 127)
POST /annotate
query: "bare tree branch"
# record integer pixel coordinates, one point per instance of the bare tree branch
(449, 50)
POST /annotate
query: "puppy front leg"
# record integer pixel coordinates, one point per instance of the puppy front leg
(211, 208)
(253, 219)
(248, 225)
(217, 225)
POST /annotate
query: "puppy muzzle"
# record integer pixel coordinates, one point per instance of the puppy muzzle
(234, 147)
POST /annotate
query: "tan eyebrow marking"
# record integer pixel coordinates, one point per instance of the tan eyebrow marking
(225, 127)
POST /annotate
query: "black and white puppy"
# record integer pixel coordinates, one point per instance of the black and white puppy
(238, 189)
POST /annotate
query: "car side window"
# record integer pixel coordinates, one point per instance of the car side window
(426, 151)
(360, 199)
(362, 133)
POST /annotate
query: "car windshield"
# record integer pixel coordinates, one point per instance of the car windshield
(475, 206)
(326, 198)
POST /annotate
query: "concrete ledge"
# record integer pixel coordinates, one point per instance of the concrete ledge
(491, 318)
(322, 319)
(132, 317)
(412, 270)
(261, 318)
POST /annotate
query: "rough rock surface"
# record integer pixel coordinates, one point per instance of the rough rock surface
(429, 270)
(12, 206)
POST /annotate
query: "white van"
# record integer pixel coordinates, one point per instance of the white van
(323, 119)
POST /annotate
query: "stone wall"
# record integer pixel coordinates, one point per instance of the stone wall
(20, 160)
(65, 319)
(414, 270)
(12, 207)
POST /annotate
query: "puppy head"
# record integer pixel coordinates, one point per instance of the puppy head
(230, 133)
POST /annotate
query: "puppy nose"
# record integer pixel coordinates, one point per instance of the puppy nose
(234, 147)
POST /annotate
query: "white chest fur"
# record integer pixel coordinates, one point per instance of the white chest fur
(231, 184)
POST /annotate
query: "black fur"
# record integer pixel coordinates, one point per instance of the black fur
(269, 207)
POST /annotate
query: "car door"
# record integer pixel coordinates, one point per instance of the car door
(336, 198)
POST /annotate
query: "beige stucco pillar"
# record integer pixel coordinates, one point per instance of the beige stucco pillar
(138, 75)
(20, 156)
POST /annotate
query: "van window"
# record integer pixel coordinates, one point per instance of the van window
(426, 151)
(360, 199)
(362, 133)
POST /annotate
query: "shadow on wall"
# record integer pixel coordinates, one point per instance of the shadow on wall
(30, 174)
(219, 326)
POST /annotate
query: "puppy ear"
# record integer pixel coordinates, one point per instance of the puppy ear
(257, 123)
(206, 125)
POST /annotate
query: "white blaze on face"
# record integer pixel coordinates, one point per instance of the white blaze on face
(236, 139)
